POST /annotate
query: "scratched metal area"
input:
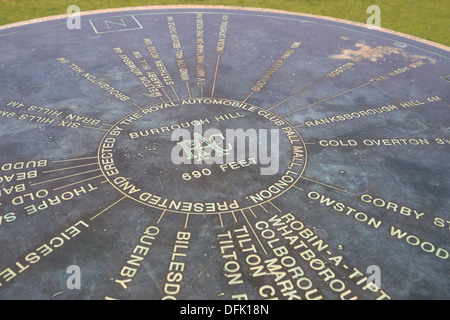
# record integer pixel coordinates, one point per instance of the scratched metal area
(353, 121)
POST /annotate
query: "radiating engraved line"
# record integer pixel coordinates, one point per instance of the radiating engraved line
(297, 93)
(136, 105)
(75, 159)
(201, 92)
(103, 211)
(263, 207)
(162, 99)
(299, 126)
(61, 178)
(95, 128)
(189, 90)
(221, 221)
(327, 185)
(234, 217)
(253, 231)
(275, 206)
(78, 182)
(336, 95)
(106, 181)
(215, 76)
(68, 168)
(107, 124)
(298, 188)
(160, 217)
(176, 95)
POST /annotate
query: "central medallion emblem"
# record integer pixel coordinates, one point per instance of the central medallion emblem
(202, 156)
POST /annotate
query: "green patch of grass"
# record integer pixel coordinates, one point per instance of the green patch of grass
(424, 19)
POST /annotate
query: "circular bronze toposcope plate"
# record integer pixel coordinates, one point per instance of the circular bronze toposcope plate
(222, 153)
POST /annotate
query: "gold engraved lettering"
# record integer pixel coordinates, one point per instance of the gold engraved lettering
(275, 67)
(398, 71)
(276, 188)
(178, 50)
(42, 251)
(314, 252)
(50, 200)
(177, 265)
(146, 76)
(345, 210)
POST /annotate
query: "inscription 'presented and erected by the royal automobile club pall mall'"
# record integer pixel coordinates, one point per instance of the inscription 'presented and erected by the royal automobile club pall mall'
(222, 153)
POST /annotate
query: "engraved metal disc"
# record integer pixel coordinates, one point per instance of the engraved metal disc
(120, 176)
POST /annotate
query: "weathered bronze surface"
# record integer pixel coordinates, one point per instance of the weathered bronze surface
(354, 202)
